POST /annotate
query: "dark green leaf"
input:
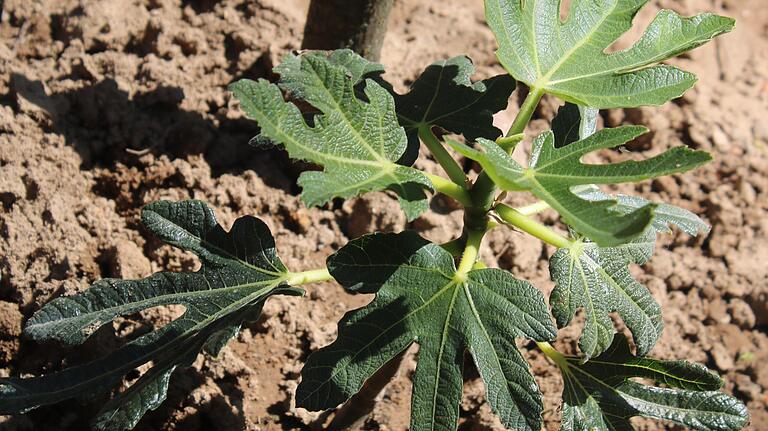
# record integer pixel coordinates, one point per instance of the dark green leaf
(552, 172)
(445, 96)
(358, 142)
(598, 279)
(421, 298)
(600, 395)
(569, 59)
(572, 123)
(240, 269)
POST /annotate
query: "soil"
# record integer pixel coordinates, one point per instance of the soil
(108, 105)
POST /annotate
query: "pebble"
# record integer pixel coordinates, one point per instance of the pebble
(741, 313)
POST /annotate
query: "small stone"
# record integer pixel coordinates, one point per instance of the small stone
(747, 192)
(373, 212)
(745, 386)
(126, 260)
(723, 360)
(10, 320)
(717, 311)
(719, 138)
(741, 313)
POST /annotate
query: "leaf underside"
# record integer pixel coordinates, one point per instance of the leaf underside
(240, 269)
(420, 300)
(355, 134)
(601, 395)
(553, 172)
(569, 58)
(598, 278)
(664, 214)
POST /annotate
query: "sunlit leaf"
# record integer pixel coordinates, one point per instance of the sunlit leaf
(358, 142)
(553, 172)
(569, 59)
(664, 214)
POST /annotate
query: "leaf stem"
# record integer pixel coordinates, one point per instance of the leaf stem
(526, 112)
(484, 187)
(471, 251)
(306, 277)
(454, 171)
(448, 188)
(515, 218)
(552, 353)
(508, 143)
(533, 208)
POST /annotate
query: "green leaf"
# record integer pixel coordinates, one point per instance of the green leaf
(552, 172)
(598, 279)
(445, 96)
(358, 68)
(600, 395)
(421, 298)
(573, 122)
(569, 59)
(240, 269)
(358, 142)
(664, 214)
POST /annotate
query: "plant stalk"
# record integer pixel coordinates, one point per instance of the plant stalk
(515, 218)
(448, 163)
(471, 251)
(552, 353)
(533, 208)
(449, 188)
(484, 188)
(526, 112)
(306, 277)
(359, 25)
(508, 143)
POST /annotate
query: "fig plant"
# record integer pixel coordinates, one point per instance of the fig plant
(366, 137)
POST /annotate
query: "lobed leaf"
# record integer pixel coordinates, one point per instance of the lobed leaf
(664, 214)
(598, 279)
(568, 58)
(553, 172)
(240, 270)
(600, 395)
(420, 298)
(357, 142)
(445, 96)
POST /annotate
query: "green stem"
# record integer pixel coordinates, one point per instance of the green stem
(508, 143)
(526, 112)
(471, 251)
(534, 208)
(552, 353)
(484, 187)
(448, 188)
(515, 218)
(454, 171)
(306, 277)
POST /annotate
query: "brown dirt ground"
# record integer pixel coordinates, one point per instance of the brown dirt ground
(108, 105)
